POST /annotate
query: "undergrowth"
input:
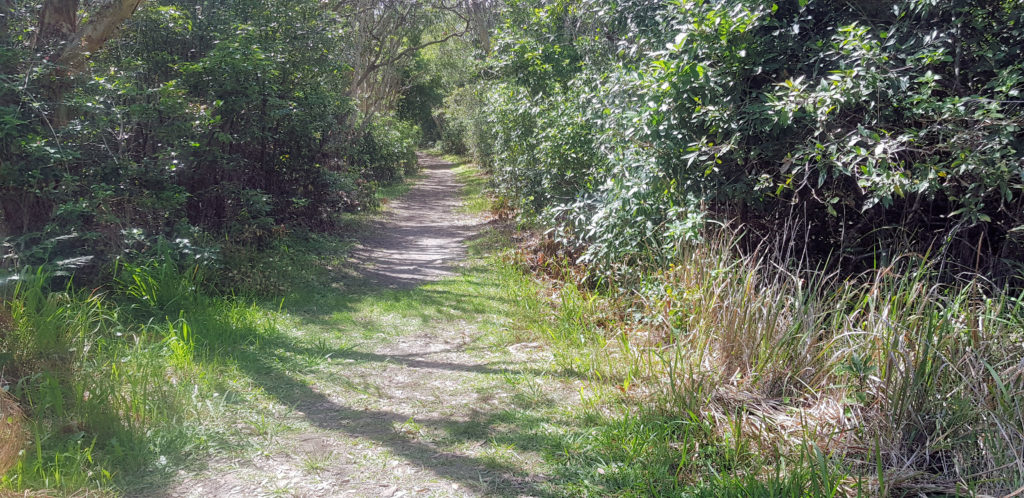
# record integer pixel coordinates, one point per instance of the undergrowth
(117, 389)
(721, 375)
(728, 375)
(886, 384)
(115, 382)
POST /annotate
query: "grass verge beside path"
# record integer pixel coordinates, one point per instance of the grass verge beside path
(130, 387)
(614, 441)
(161, 371)
(724, 375)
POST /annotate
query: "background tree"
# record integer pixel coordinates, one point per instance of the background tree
(201, 120)
(389, 33)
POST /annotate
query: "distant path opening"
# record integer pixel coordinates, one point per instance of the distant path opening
(422, 235)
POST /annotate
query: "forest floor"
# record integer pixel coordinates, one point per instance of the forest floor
(405, 376)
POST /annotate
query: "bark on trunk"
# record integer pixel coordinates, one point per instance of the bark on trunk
(480, 16)
(24, 212)
(58, 21)
(91, 36)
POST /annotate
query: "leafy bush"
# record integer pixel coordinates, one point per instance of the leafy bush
(453, 138)
(879, 140)
(467, 123)
(870, 128)
(228, 123)
(386, 153)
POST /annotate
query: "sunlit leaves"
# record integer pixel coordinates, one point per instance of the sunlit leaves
(862, 115)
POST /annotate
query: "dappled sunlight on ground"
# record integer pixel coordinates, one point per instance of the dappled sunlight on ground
(389, 383)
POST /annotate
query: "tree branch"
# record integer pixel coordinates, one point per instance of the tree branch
(100, 27)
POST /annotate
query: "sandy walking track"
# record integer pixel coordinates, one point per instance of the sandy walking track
(423, 235)
(395, 438)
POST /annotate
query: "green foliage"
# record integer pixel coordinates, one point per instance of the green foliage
(467, 127)
(199, 121)
(203, 132)
(422, 95)
(852, 135)
(387, 150)
(124, 388)
(442, 96)
(872, 127)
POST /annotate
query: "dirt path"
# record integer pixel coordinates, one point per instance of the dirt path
(423, 235)
(429, 412)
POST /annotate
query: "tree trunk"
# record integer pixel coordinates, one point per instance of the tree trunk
(100, 27)
(24, 212)
(69, 44)
(6, 10)
(58, 21)
(480, 15)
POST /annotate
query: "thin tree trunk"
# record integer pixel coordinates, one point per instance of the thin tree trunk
(480, 16)
(6, 10)
(58, 21)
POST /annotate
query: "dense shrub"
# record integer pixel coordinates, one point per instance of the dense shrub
(387, 150)
(869, 159)
(865, 127)
(422, 94)
(201, 121)
(468, 123)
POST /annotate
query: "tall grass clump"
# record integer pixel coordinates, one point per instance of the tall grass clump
(96, 387)
(909, 383)
(116, 383)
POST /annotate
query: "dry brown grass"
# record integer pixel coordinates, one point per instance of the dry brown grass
(890, 373)
(29, 494)
(12, 432)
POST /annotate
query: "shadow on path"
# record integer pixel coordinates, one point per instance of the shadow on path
(379, 426)
(421, 240)
(422, 237)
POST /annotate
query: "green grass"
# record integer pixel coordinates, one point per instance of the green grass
(395, 190)
(318, 462)
(112, 389)
(716, 380)
(726, 376)
(166, 367)
(475, 185)
(157, 373)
